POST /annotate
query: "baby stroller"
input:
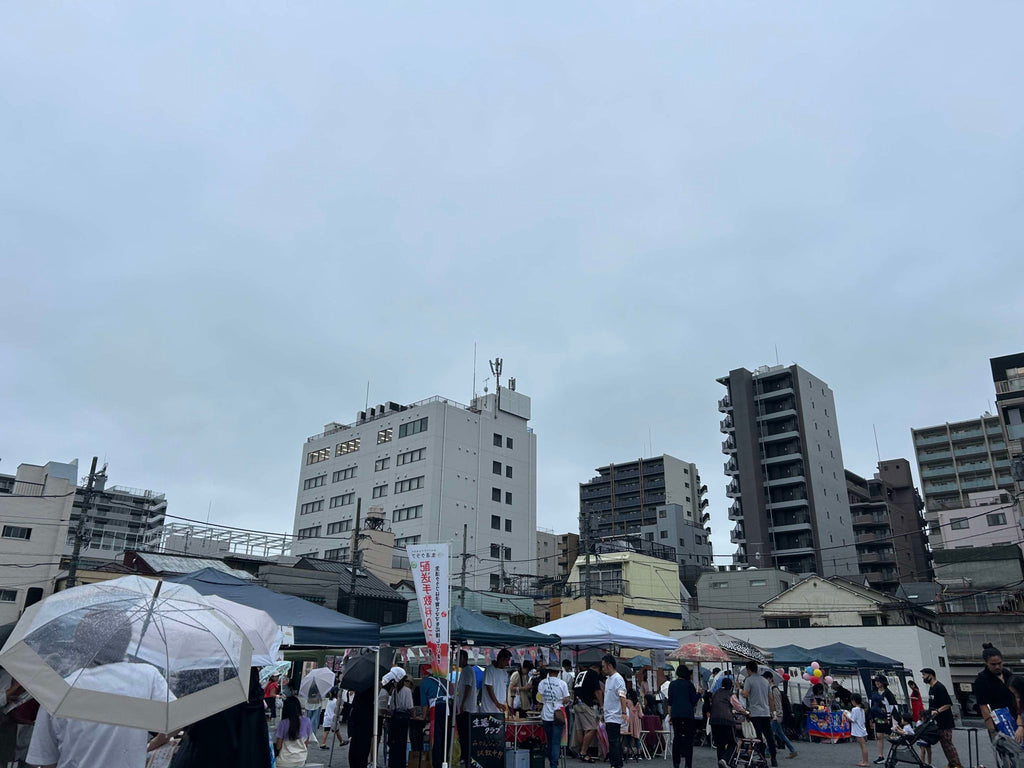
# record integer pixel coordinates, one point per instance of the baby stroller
(749, 753)
(903, 749)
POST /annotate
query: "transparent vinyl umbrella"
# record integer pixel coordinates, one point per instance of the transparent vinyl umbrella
(132, 651)
(322, 678)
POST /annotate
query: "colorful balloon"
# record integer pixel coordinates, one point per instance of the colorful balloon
(785, 676)
(818, 673)
(829, 679)
(815, 665)
(807, 677)
(809, 670)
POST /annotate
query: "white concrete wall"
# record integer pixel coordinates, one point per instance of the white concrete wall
(48, 520)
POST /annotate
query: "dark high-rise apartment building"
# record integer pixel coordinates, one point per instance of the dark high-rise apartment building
(660, 499)
(785, 466)
(1008, 377)
(889, 529)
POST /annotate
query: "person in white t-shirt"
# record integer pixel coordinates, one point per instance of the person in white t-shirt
(465, 702)
(554, 694)
(63, 742)
(495, 692)
(858, 727)
(614, 709)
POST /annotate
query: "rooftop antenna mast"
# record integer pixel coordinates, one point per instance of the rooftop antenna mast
(474, 370)
(496, 372)
(878, 453)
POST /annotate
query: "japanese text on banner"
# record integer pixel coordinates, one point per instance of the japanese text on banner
(429, 563)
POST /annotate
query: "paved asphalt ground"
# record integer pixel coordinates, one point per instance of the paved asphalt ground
(809, 755)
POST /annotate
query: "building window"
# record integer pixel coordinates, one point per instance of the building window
(342, 501)
(16, 532)
(407, 513)
(998, 518)
(349, 446)
(508, 471)
(508, 497)
(341, 553)
(343, 474)
(384, 435)
(495, 522)
(942, 661)
(508, 528)
(783, 586)
(410, 456)
(495, 584)
(404, 541)
(959, 524)
(339, 527)
(381, 464)
(662, 534)
(380, 491)
(313, 506)
(508, 553)
(787, 622)
(759, 582)
(8, 595)
(497, 440)
(495, 551)
(309, 533)
(662, 514)
(496, 467)
(496, 494)
(687, 485)
(719, 584)
(412, 484)
(508, 443)
(315, 457)
(314, 482)
(869, 621)
(413, 427)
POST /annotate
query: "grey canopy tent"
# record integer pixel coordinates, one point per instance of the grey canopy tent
(469, 627)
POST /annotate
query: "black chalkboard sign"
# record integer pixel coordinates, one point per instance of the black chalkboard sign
(487, 740)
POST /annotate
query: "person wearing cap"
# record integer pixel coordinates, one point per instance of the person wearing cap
(553, 694)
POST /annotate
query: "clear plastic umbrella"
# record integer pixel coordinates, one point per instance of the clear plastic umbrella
(322, 678)
(132, 651)
(277, 668)
(263, 632)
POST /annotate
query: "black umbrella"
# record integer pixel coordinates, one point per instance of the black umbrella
(360, 671)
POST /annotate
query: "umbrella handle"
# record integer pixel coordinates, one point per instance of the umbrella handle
(149, 615)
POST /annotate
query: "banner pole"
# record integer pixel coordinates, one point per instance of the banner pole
(376, 709)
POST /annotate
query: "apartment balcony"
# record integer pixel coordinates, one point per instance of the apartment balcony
(736, 510)
(793, 503)
(703, 489)
(936, 456)
(725, 404)
(783, 458)
(946, 471)
(966, 467)
(868, 519)
(736, 535)
(703, 504)
(885, 556)
(931, 439)
(729, 445)
(775, 482)
(726, 425)
(780, 411)
(598, 588)
(876, 537)
(799, 546)
(595, 492)
(966, 434)
(964, 451)
(774, 392)
(881, 577)
(731, 467)
(732, 490)
(981, 483)
(939, 487)
(705, 518)
(787, 433)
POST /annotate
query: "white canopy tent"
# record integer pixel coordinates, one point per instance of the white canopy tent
(593, 628)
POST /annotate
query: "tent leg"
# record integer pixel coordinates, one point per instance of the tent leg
(376, 711)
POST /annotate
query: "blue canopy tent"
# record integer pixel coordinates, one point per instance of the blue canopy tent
(312, 625)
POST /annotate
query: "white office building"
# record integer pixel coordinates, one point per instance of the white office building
(434, 466)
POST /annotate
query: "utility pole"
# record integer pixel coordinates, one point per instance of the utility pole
(585, 530)
(354, 560)
(80, 531)
(465, 559)
(501, 560)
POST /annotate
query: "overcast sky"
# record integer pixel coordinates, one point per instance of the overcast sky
(218, 221)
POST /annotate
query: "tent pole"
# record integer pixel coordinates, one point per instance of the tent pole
(376, 709)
